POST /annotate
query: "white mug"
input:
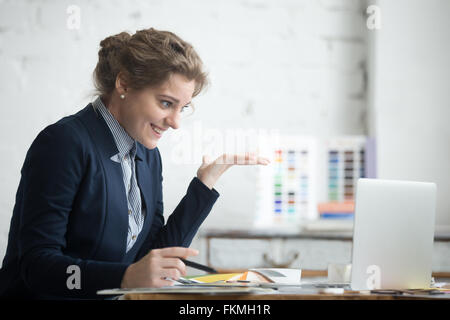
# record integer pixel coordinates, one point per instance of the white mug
(339, 272)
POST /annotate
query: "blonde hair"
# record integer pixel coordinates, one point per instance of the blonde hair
(147, 58)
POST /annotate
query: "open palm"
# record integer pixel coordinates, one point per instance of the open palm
(211, 170)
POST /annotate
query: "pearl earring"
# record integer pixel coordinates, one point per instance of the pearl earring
(122, 96)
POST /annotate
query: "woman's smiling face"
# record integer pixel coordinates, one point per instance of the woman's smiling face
(147, 113)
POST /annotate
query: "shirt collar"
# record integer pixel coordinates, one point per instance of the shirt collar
(125, 144)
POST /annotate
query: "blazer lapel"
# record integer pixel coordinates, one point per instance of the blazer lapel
(144, 179)
(116, 215)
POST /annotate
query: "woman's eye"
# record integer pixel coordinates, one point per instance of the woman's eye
(166, 104)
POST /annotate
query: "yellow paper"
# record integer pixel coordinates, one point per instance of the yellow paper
(216, 277)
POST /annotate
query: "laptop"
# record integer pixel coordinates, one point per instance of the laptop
(393, 234)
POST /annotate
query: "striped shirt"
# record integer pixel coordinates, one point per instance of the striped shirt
(126, 157)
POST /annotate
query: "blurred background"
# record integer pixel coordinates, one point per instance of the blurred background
(315, 69)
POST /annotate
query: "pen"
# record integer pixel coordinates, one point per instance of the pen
(198, 266)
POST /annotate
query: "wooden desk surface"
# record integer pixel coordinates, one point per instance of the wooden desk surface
(319, 296)
(289, 296)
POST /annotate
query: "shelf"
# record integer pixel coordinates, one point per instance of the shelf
(316, 230)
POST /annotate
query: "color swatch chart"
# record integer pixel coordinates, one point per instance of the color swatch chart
(290, 185)
(287, 191)
(308, 171)
(346, 164)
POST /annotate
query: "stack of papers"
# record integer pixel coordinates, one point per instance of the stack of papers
(256, 276)
(252, 281)
(188, 289)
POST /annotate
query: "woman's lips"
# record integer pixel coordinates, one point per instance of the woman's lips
(157, 130)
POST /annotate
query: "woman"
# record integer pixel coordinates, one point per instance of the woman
(90, 194)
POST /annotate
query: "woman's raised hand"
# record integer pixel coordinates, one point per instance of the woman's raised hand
(211, 170)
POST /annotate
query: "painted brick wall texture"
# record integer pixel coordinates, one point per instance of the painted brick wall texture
(298, 66)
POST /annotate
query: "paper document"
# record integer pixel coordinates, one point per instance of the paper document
(254, 276)
(252, 281)
(188, 289)
(280, 275)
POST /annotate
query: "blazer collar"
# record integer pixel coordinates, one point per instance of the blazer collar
(102, 134)
(99, 129)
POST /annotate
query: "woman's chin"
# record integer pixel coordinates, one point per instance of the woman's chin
(149, 143)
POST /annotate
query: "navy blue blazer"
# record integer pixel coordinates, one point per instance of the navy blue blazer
(71, 209)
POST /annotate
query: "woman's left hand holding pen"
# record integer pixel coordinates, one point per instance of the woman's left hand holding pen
(211, 170)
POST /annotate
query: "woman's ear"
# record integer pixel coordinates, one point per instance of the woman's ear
(121, 83)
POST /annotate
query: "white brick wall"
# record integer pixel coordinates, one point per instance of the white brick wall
(411, 96)
(293, 65)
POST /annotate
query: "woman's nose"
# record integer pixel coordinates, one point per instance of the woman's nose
(173, 120)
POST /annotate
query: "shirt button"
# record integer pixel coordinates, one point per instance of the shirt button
(133, 237)
(129, 211)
